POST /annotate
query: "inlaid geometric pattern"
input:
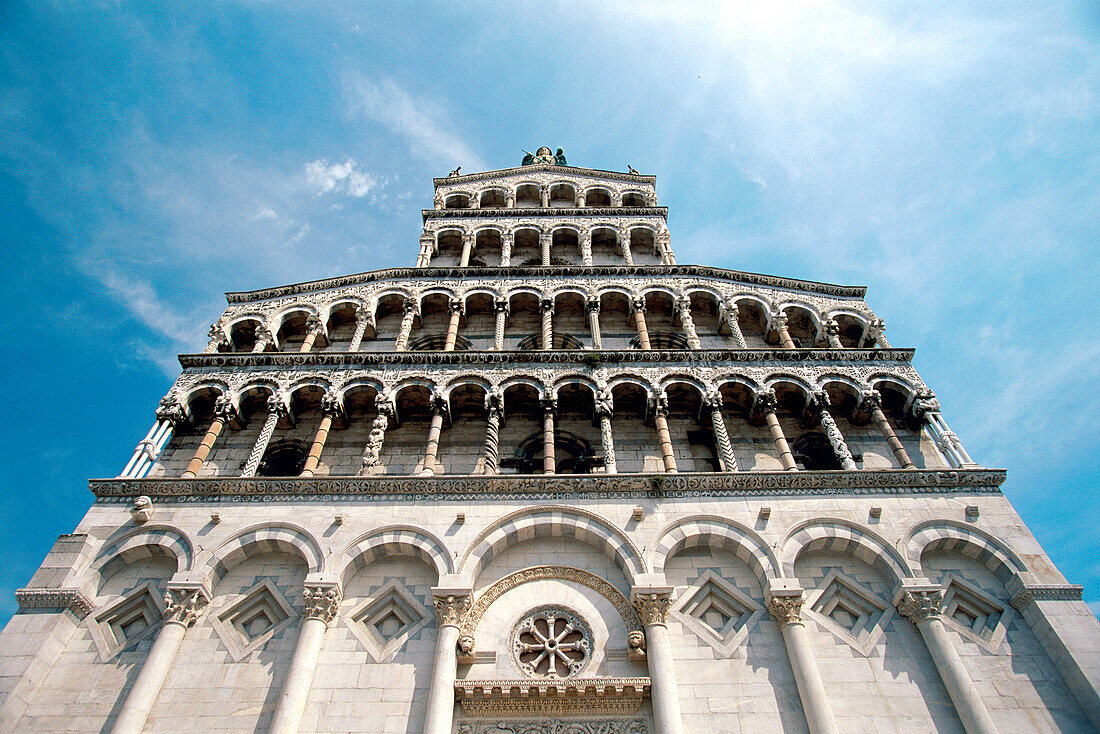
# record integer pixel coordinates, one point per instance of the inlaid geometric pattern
(248, 624)
(717, 612)
(134, 617)
(975, 614)
(850, 611)
(386, 621)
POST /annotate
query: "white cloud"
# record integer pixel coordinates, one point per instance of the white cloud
(346, 178)
(421, 122)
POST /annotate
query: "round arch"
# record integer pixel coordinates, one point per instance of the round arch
(716, 532)
(843, 536)
(949, 535)
(392, 540)
(144, 542)
(267, 538)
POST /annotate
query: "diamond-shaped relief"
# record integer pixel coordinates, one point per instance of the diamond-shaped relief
(134, 617)
(850, 611)
(974, 613)
(247, 624)
(386, 621)
(717, 612)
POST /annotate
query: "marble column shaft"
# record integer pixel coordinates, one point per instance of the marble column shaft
(321, 605)
(785, 607)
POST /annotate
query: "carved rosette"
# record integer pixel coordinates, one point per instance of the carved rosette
(321, 602)
(786, 608)
(184, 605)
(450, 609)
(652, 607)
(920, 606)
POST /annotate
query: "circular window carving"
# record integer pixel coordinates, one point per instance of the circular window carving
(551, 643)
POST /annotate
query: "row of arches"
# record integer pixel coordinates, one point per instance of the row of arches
(560, 244)
(606, 318)
(534, 194)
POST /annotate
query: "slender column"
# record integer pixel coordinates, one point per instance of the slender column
(734, 325)
(878, 333)
(638, 305)
(276, 409)
(427, 245)
(785, 606)
(664, 439)
(452, 327)
(264, 339)
(330, 410)
(832, 334)
(510, 200)
(407, 319)
(549, 408)
(450, 609)
(624, 246)
(143, 452)
(500, 306)
(592, 306)
(169, 414)
(616, 199)
(506, 249)
(372, 453)
(545, 238)
(872, 403)
(926, 408)
(224, 412)
(322, 602)
(664, 244)
(438, 199)
(580, 199)
(820, 402)
(688, 323)
(766, 405)
(494, 412)
(183, 605)
(363, 319)
(218, 340)
(547, 307)
(467, 249)
(779, 323)
(922, 603)
(726, 459)
(586, 247)
(431, 452)
(605, 408)
(314, 329)
(652, 605)
(544, 196)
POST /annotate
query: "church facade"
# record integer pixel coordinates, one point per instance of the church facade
(550, 481)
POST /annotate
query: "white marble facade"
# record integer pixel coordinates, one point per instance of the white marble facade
(694, 500)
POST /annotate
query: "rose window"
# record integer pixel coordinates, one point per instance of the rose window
(551, 643)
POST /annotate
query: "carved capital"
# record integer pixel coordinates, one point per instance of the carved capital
(546, 304)
(924, 403)
(322, 601)
(409, 306)
(383, 405)
(500, 305)
(766, 402)
(779, 321)
(921, 604)
(314, 324)
(331, 406)
(659, 405)
(592, 304)
(819, 401)
(605, 404)
(185, 604)
(455, 305)
(225, 410)
(652, 606)
(170, 410)
(440, 407)
(450, 609)
(869, 401)
(832, 328)
(638, 304)
(786, 608)
(215, 332)
(713, 400)
(494, 403)
(549, 406)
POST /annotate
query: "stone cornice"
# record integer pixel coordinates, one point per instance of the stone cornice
(586, 211)
(628, 356)
(463, 488)
(1046, 592)
(399, 274)
(520, 170)
(532, 696)
(72, 599)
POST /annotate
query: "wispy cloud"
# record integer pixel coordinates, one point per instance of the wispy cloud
(345, 178)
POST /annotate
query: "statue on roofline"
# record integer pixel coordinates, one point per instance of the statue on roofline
(543, 156)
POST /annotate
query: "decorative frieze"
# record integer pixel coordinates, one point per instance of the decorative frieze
(590, 697)
(555, 726)
(1045, 592)
(72, 599)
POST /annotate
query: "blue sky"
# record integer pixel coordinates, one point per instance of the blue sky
(156, 155)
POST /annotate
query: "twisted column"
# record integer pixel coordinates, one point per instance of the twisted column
(467, 249)
(664, 439)
(687, 323)
(506, 248)
(785, 606)
(452, 326)
(726, 459)
(183, 605)
(494, 412)
(264, 339)
(431, 452)
(322, 602)
(605, 408)
(314, 329)
(779, 323)
(922, 604)
(766, 405)
(363, 319)
(544, 245)
(224, 412)
(549, 408)
(592, 307)
(544, 196)
(638, 305)
(276, 409)
(372, 453)
(500, 307)
(832, 334)
(546, 306)
(652, 605)
(624, 246)
(330, 410)
(819, 402)
(451, 606)
(735, 325)
(586, 247)
(871, 403)
(407, 318)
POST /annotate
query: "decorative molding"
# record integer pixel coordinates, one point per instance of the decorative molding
(72, 599)
(550, 487)
(584, 211)
(526, 172)
(533, 697)
(556, 726)
(1043, 592)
